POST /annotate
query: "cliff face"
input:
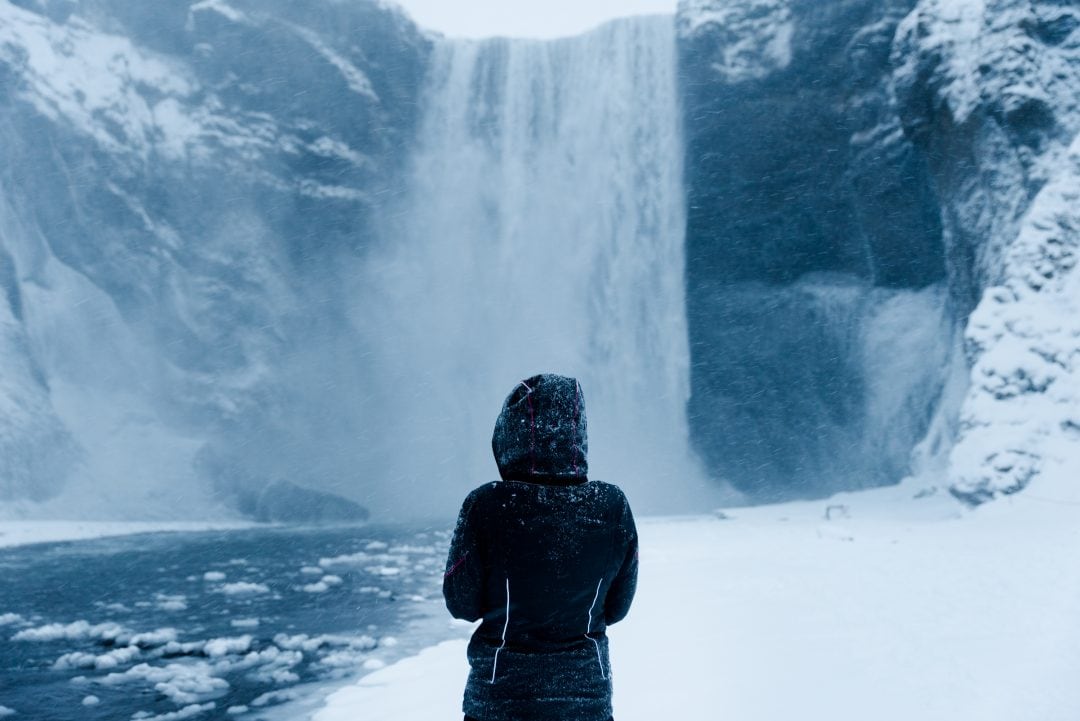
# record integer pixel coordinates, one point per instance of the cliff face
(178, 182)
(906, 145)
(797, 159)
(989, 91)
(814, 242)
(881, 218)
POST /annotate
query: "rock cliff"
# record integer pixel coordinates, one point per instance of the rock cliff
(989, 91)
(179, 183)
(906, 145)
(814, 247)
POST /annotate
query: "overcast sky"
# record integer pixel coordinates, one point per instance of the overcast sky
(525, 18)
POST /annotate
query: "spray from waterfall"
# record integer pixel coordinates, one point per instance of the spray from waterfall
(542, 229)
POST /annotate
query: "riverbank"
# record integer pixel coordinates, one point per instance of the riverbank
(893, 608)
(24, 533)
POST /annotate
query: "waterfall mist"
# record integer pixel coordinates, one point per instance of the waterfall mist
(542, 229)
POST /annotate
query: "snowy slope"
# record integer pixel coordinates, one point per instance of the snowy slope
(893, 610)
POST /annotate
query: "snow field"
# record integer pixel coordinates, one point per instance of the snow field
(898, 612)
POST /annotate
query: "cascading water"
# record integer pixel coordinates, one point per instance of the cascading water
(541, 230)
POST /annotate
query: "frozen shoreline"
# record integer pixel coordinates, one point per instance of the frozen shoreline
(24, 533)
(891, 610)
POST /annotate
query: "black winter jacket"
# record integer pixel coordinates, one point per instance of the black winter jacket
(547, 559)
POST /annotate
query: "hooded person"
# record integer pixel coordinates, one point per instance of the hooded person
(546, 559)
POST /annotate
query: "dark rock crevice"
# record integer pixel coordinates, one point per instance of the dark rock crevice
(809, 210)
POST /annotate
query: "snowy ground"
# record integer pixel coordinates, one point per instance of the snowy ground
(897, 608)
(21, 533)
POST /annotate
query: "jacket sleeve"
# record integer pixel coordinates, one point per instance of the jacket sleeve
(463, 581)
(621, 594)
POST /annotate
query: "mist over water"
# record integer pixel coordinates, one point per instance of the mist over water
(542, 230)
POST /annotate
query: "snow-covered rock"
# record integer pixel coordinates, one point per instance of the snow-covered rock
(754, 37)
(944, 132)
(180, 187)
(990, 90)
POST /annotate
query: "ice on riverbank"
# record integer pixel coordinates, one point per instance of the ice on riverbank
(24, 533)
(895, 609)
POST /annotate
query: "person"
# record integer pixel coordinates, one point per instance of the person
(546, 559)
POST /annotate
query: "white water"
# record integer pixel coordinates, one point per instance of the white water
(542, 231)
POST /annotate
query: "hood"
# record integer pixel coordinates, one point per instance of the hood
(540, 433)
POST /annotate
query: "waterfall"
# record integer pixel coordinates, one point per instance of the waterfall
(541, 229)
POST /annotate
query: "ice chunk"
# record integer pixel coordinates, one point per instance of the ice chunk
(224, 646)
(75, 631)
(184, 713)
(275, 697)
(112, 659)
(171, 603)
(244, 588)
(350, 559)
(323, 585)
(153, 639)
(182, 683)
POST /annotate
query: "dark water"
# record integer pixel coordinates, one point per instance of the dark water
(239, 618)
